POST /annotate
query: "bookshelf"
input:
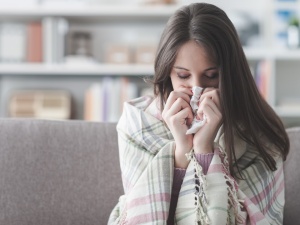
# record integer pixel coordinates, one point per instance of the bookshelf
(140, 24)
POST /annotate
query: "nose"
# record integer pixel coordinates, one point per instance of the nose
(196, 82)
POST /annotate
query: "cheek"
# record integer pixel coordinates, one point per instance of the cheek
(177, 83)
(215, 85)
(211, 83)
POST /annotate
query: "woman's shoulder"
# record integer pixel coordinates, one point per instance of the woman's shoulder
(139, 125)
(148, 104)
(140, 103)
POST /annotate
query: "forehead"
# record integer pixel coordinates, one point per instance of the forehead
(191, 55)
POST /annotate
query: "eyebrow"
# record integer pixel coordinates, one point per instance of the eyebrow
(181, 68)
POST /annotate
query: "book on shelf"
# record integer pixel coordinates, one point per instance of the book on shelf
(34, 53)
(93, 103)
(55, 31)
(262, 78)
(12, 42)
(104, 100)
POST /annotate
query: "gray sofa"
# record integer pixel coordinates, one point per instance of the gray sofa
(67, 172)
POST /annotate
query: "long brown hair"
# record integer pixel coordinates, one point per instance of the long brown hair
(244, 110)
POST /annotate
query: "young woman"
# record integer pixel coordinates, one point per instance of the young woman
(230, 171)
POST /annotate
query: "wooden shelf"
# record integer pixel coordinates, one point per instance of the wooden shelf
(256, 53)
(78, 69)
(125, 69)
(270, 53)
(288, 111)
(89, 11)
(287, 54)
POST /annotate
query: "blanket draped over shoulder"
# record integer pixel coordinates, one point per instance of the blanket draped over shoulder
(146, 148)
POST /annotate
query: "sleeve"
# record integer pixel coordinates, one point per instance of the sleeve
(177, 181)
(204, 160)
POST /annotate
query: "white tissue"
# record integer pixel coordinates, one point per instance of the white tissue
(196, 124)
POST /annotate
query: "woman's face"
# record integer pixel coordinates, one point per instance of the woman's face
(192, 67)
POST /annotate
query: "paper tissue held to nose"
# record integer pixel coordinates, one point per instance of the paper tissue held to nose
(196, 124)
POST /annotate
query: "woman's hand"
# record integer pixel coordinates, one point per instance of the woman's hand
(209, 106)
(178, 116)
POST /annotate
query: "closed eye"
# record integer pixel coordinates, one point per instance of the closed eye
(183, 76)
(212, 76)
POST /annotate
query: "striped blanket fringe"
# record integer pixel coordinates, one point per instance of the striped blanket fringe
(201, 201)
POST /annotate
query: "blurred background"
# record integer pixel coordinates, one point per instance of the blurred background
(81, 59)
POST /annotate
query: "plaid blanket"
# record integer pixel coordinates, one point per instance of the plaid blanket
(146, 149)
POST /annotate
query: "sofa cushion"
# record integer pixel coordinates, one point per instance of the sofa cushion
(58, 172)
(292, 179)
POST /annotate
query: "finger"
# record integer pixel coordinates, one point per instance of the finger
(184, 116)
(185, 90)
(178, 105)
(211, 115)
(174, 95)
(207, 102)
(213, 94)
(208, 89)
